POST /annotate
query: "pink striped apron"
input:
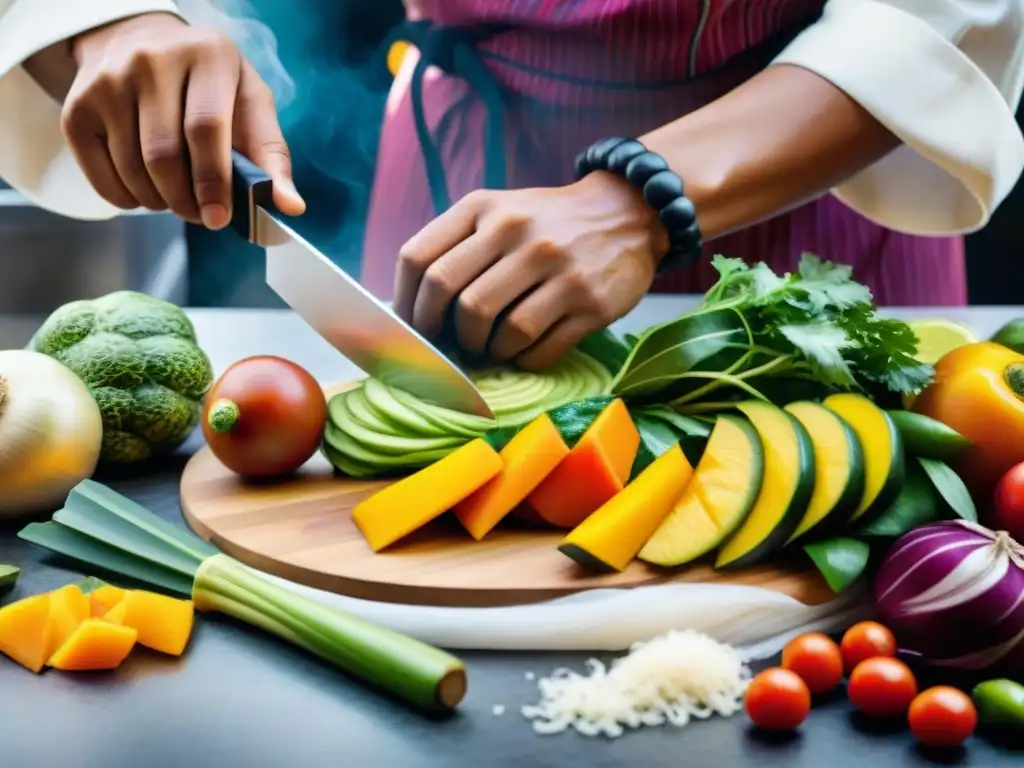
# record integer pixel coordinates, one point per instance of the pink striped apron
(527, 83)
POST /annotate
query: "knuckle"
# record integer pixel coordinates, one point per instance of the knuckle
(411, 258)
(473, 307)
(161, 149)
(511, 223)
(204, 121)
(544, 250)
(276, 147)
(523, 326)
(477, 198)
(438, 281)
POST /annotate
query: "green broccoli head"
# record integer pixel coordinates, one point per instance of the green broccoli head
(140, 359)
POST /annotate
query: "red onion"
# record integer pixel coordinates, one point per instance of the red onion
(953, 594)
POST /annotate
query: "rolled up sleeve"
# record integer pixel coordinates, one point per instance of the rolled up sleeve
(34, 158)
(945, 76)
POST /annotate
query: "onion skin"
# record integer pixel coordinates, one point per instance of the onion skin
(264, 417)
(953, 593)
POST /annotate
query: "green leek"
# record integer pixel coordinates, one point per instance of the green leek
(106, 532)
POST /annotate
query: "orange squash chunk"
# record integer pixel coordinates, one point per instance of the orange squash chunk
(595, 470)
(163, 623)
(528, 458)
(95, 645)
(414, 501)
(69, 607)
(25, 631)
(102, 599)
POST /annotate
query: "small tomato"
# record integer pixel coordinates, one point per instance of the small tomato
(777, 700)
(866, 640)
(882, 687)
(816, 658)
(942, 717)
(1007, 512)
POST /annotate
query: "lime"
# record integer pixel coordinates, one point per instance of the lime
(936, 337)
(1011, 335)
(1000, 706)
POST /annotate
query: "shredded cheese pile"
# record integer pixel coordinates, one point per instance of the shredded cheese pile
(675, 677)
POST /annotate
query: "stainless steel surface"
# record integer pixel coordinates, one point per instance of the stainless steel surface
(357, 324)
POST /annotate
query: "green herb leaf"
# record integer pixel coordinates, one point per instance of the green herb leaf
(841, 560)
(607, 348)
(951, 487)
(918, 503)
(823, 344)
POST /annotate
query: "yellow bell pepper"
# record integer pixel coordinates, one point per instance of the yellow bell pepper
(979, 391)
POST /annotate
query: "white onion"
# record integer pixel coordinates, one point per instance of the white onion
(953, 593)
(50, 432)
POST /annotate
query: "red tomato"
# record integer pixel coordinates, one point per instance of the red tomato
(817, 659)
(882, 687)
(942, 717)
(866, 640)
(777, 700)
(264, 417)
(1007, 512)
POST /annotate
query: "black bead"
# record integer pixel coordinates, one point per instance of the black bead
(619, 157)
(662, 188)
(678, 215)
(643, 167)
(593, 157)
(689, 239)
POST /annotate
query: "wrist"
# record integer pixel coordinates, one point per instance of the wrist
(81, 45)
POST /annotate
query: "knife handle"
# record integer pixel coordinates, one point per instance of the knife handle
(250, 187)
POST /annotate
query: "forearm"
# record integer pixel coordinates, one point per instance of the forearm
(784, 137)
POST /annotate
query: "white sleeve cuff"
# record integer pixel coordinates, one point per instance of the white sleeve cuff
(34, 158)
(962, 151)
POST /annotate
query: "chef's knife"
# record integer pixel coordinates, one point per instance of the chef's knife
(339, 309)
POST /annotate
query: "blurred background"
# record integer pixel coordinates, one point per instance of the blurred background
(325, 60)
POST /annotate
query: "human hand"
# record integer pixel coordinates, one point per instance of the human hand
(153, 114)
(532, 271)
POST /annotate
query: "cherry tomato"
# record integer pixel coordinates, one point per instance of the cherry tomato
(866, 640)
(1007, 512)
(777, 700)
(817, 659)
(882, 687)
(942, 717)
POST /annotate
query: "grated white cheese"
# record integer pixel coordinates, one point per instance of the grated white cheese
(674, 677)
(498, 710)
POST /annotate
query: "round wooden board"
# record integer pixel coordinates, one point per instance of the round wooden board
(301, 529)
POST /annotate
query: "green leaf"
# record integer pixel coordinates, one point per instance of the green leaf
(607, 348)
(841, 560)
(666, 352)
(685, 425)
(926, 437)
(660, 428)
(91, 584)
(8, 577)
(823, 344)
(952, 489)
(918, 503)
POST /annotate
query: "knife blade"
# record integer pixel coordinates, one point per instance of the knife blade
(338, 308)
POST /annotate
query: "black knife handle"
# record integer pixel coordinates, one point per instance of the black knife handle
(250, 187)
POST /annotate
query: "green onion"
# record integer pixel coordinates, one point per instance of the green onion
(104, 531)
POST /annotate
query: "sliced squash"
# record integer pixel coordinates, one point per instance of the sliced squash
(103, 598)
(838, 467)
(527, 459)
(717, 499)
(25, 631)
(883, 452)
(412, 502)
(594, 471)
(95, 645)
(785, 489)
(69, 607)
(611, 537)
(163, 623)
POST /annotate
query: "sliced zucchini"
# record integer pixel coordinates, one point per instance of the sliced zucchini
(785, 490)
(883, 452)
(838, 467)
(716, 500)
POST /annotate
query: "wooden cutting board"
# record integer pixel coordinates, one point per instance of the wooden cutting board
(301, 529)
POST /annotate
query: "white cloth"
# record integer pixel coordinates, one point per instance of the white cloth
(944, 75)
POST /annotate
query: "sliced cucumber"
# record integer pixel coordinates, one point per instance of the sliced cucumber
(785, 490)
(838, 467)
(883, 452)
(717, 499)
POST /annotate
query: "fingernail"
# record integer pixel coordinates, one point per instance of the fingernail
(215, 215)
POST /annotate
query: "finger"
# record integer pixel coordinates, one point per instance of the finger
(428, 245)
(209, 114)
(529, 320)
(559, 341)
(121, 124)
(480, 306)
(83, 132)
(449, 275)
(257, 135)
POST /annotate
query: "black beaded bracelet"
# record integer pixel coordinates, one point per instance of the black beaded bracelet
(662, 188)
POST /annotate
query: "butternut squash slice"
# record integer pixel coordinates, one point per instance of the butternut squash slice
(594, 471)
(412, 502)
(103, 598)
(611, 537)
(69, 607)
(163, 623)
(95, 645)
(25, 631)
(527, 459)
